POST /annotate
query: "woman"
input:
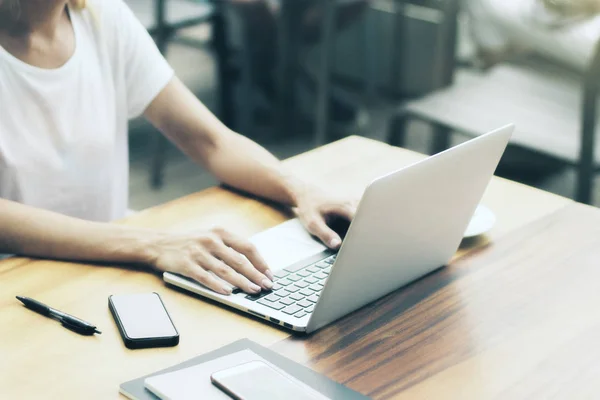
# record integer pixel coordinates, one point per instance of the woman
(71, 75)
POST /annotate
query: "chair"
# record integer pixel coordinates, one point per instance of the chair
(288, 43)
(324, 78)
(164, 19)
(553, 108)
(289, 31)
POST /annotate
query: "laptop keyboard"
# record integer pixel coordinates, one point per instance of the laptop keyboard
(296, 289)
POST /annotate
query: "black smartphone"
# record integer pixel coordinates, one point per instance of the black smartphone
(143, 320)
(257, 380)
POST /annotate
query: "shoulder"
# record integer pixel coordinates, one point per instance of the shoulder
(114, 23)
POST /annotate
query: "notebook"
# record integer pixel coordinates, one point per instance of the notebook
(194, 383)
(136, 389)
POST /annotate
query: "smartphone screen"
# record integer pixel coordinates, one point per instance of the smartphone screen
(142, 316)
(257, 380)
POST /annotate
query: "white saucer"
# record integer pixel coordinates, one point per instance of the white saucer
(483, 220)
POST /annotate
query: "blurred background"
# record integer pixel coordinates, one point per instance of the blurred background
(422, 74)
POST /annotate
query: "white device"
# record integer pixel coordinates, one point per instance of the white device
(408, 224)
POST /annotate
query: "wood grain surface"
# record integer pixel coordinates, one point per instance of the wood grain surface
(40, 359)
(514, 320)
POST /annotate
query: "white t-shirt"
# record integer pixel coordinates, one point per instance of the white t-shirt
(63, 132)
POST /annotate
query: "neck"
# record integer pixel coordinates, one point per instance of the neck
(32, 16)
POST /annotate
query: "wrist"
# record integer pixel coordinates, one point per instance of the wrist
(299, 191)
(137, 246)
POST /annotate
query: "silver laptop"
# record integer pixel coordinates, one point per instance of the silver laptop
(408, 224)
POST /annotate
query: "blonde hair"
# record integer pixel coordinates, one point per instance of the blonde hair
(78, 4)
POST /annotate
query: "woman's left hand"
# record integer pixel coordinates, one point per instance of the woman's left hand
(315, 208)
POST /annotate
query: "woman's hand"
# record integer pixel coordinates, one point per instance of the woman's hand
(315, 208)
(230, 257)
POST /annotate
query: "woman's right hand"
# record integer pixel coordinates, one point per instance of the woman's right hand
(230, 257)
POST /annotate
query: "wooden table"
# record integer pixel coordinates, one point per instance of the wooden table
(516, 320)
(476, 327)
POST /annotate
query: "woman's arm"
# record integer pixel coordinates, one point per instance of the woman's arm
(232, 158)
(40, 233)
(30, 231)
(240, 162)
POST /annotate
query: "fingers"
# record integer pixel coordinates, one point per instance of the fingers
(317, 226)
(234, 260)
(195, 272)
(225, 272)
(242, 265)
(344, 210)
(246, 248)
(321, 228)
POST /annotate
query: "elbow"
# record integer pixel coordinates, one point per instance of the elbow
(210, 147)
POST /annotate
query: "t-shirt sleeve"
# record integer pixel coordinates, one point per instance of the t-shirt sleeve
(144, 70)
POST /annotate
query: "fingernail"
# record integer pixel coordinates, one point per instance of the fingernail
(227, 290)
(335, 243)
(269, 274)
(267, 284)
(254, 288)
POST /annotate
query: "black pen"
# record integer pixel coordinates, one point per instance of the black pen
(68, 321)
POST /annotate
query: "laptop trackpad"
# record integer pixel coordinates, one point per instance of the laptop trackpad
(286, 244)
